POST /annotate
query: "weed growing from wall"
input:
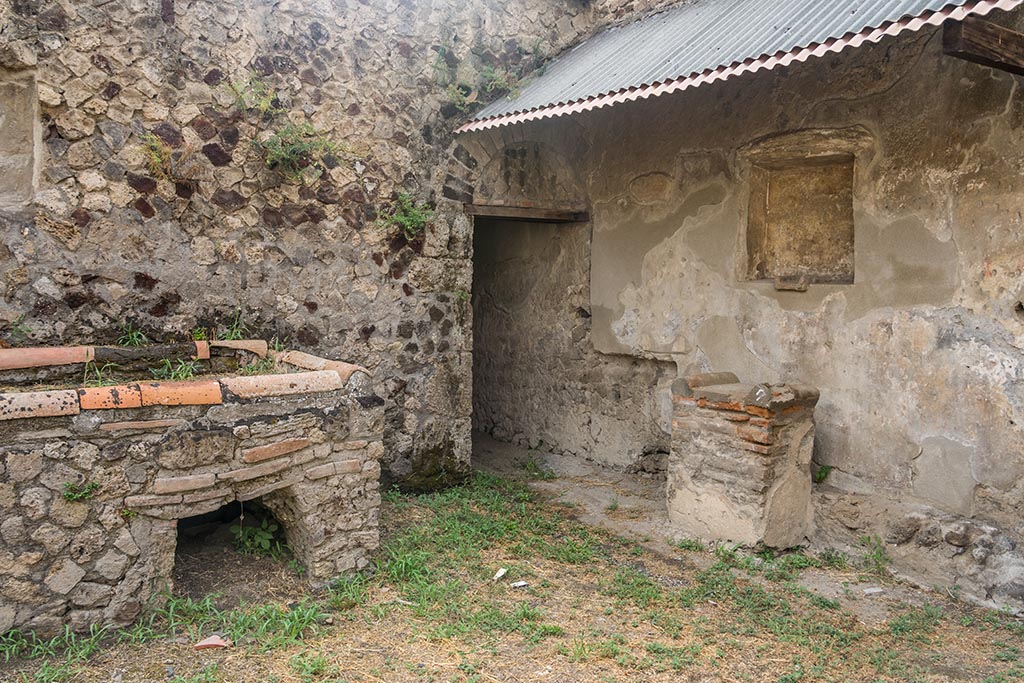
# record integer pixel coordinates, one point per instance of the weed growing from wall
(236, 330)
(498, 82)
(17, 330)
(158, 156)
(255, 96)
(131, 336)
(298, 151)
(78, 492)
(179, 371)
(408, 216)
(96, 375)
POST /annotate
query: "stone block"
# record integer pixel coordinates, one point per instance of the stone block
(743, 481)
(111, 565)
(943, 475)
(141, 425)
(180, 484)
(17, 140)
(261, 453)
(150, 500)
(64, 577)
(186, 450)
(264, 470)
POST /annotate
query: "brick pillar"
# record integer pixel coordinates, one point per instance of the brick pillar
(739, 469)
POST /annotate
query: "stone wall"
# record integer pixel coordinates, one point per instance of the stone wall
(919, 360)
(537, 380)
(131, 190)
(90, 496)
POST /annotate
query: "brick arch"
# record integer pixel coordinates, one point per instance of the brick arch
(519, 168)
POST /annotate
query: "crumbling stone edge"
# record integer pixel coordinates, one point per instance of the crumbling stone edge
(321, 375)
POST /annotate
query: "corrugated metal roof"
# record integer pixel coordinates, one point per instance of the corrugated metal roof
(699, 41)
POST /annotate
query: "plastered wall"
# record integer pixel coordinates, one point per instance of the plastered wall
(919, 360)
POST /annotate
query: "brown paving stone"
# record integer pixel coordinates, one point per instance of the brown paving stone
(308, 361)
(202, 350)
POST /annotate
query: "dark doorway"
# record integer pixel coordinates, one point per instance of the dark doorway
(538, 382)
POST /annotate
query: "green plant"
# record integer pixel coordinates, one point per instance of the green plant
(876, 560)
(131, 336)
(236, 330)
(311, 667)
(297, 151)
(76, 492)
(256, 96)
(176, 371)
(200, 333)
(442, 72)
(629, 585)
(261, 366)
(916, 623)
(347, 592)
(498, 82)
(410, 217)
(821, 474)
(208, 674)
(17, 329)
(823, 602)
(128, 514)
(536, 470)
(833, 559)
(158, 156)
(691, 544)
(96, 375)
(63, 652)
(257, 540)
(612, 506)
(268, 626)
(461, 96)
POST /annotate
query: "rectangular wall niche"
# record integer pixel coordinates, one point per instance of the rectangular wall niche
(800, 223)
(799, 227)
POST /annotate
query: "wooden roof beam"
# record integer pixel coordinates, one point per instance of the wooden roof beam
(528, 213)
(983, 42)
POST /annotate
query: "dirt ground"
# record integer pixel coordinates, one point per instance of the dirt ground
(594, 588)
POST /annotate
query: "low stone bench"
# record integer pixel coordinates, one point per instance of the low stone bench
(93, 480)
(739, 469)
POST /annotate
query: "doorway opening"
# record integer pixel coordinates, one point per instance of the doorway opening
(538, 381)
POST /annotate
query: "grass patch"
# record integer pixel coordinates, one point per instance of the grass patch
(429, 608)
